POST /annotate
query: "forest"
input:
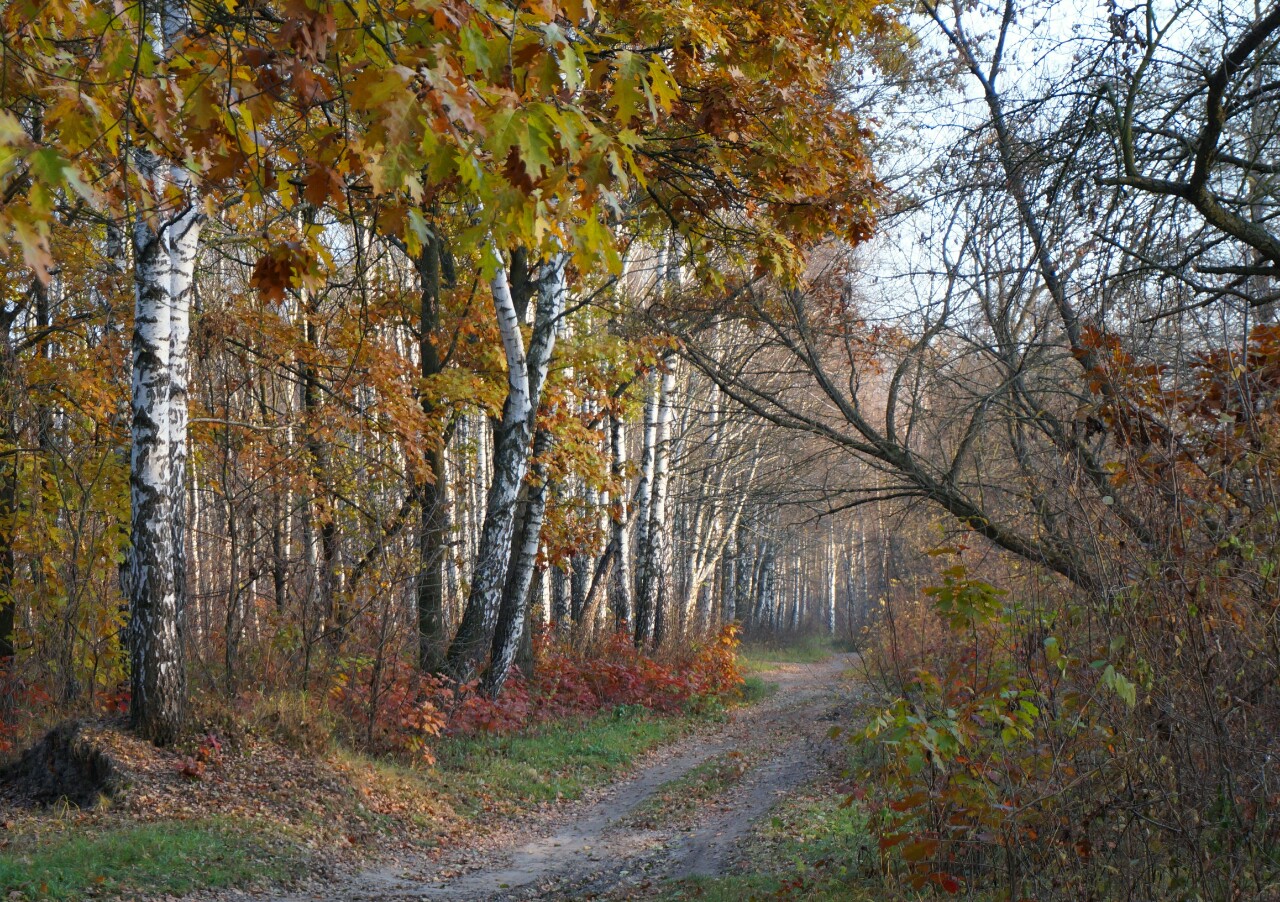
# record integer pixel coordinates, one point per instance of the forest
(680, 449)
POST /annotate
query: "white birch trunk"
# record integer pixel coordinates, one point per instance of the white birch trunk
(620, 586)
(552, 294)
(164, 262)
(510, 464)
(831, 580)
(165, 245)
(657, 564)
(644, 503)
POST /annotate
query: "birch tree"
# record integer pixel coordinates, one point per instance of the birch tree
(165, 241)
(525, 376)
(552, 290)
(621, 599)
(654, 555)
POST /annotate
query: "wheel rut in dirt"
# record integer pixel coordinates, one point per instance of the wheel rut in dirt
(594, 848)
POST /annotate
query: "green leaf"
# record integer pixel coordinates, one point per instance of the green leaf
(47, 165)
(418, 232)
(537, 142)
(1124, 689)
(572, 66)
(475, 48)
(664, 88)
(630, 86)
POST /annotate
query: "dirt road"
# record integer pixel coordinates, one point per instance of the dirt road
(614, 844)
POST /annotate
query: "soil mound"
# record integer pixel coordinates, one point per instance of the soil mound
(68, 763)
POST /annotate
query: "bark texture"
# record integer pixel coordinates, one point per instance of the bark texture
(525, 376)
(164, 263)
(165, 242)
(620, 585)
(431, 491)
(655, 566)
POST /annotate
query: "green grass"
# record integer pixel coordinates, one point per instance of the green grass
(754, 689)
(170, 857)
(491, 774)
(760, 656)
(679, 799)
(812, 849)
(558, 760)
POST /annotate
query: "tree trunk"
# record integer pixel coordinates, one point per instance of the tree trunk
(323, 602)
(164, 269)
(644, 503)
(580, 567)
(620, 585)
(657, 564)
(513, 616)
(8, 493)
(164, 261)
(509, 643)
(511, 458)
(184, 242)
(744, 566)
(560, 600)
(431, 490)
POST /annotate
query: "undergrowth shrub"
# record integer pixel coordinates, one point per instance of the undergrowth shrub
(387, 706)
(1025, 751)
(569, 682)
(1120, 742)
(392, 708)
(295, 719)
(21, 706)
(380, 702)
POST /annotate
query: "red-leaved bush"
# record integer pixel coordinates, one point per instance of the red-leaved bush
(572, 683)
(397, 709)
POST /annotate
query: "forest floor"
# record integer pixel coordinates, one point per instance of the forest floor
(721, 804)
(689, 810)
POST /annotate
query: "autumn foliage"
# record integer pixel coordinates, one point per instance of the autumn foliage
(324, 147)
(411, 710)
(1052, 743)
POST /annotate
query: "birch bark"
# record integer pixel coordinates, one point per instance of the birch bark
(644, 503)
(513, 617)
(164, 261)
(620, 586)
(650, 607)
(831, 579)
(525, 376)
(165, 245)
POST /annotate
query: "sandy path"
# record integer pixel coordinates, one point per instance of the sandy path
(588, 849)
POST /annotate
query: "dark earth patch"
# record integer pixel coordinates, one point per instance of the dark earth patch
(67, 764)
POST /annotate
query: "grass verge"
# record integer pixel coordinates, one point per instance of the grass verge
(171, 857)
(814, 847)
(553, 761)
(678, 800)
(754, 689)
(108, 854)
(759, 656)
(341, 802)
